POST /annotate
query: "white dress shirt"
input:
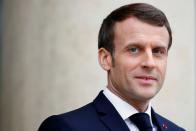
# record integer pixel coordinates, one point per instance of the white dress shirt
(126, 110)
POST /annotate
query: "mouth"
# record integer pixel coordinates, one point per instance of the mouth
(146, 79)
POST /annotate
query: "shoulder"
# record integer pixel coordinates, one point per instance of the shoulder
(53, 123)
(76, 118)
(167, 124)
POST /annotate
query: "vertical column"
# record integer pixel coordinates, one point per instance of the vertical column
(49, 60)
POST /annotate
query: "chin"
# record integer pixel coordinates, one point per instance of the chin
(144, 99)
(146, 96)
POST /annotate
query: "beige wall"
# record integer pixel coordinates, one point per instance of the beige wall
(50, 60)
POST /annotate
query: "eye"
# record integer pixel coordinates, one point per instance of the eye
(134, 50)
(159, 51)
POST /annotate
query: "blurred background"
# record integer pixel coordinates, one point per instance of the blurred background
(48, 59)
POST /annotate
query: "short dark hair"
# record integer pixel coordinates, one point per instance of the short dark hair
(142, 11)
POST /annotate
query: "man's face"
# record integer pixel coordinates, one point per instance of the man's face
(139, 60)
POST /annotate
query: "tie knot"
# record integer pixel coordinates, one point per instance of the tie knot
(142, 121)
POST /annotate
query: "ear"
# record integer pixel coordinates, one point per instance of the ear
(105, 59)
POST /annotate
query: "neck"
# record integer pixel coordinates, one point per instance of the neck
(140, 106)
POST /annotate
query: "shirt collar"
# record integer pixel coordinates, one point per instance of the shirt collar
(124, 109)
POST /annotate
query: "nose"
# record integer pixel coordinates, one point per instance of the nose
(148, 61)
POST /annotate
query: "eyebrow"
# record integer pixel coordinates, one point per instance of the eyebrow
(142, 44)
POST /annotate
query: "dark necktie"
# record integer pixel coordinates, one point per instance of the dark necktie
(142, 121)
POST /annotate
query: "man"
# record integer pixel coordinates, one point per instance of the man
(133, 48)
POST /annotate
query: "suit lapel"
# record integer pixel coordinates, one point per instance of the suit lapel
(161, 123)
(108, 114)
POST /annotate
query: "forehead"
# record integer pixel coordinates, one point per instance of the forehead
(134, 30)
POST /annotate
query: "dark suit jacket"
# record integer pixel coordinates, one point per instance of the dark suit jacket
(100, 115)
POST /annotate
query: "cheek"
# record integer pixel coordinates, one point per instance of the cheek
(132, 64)
(162, 66)
(127, 64)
